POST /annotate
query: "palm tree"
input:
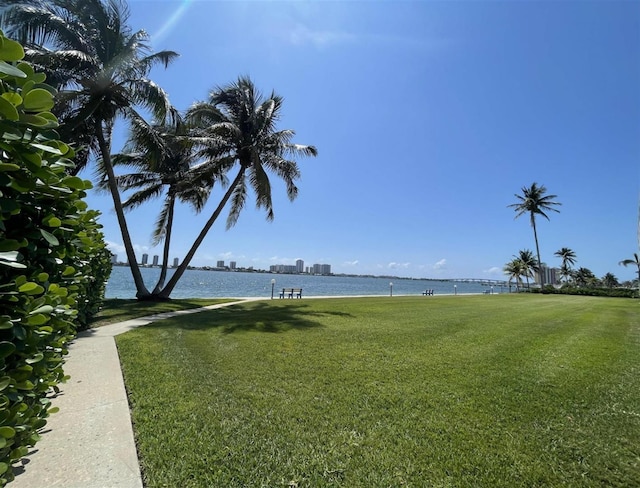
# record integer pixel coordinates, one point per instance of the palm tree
(514, 270)
(101, 66)
(568, 259)
(163, 154)
(528, 262)
(635, 262)
(239, 129)
(534, 201)
(585, 277)
(610, 281)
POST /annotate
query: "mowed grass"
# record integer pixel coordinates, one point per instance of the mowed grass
(120, 309)
(482, 391)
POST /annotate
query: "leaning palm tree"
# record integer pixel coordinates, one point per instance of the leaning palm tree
(101, 67)
(163, 156)
(239, 130)
(528, 264)
(568, 259)
(633, 262)
(534, 201)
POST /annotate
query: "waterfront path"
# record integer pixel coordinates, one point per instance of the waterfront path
(89, 443)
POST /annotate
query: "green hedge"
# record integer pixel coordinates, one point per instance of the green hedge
(594, 292)
(53, 261)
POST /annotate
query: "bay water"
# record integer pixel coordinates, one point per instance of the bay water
(196, 283)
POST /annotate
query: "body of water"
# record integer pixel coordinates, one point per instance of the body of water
(207, 284)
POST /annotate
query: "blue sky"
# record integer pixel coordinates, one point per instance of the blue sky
(428, 118)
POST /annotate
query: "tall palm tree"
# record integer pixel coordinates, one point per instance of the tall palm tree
(528, 264)
(102, 68)
(568, 259)
(514, 270)
(239, 129)
(633, 262)
(534, 201)
(163, 155)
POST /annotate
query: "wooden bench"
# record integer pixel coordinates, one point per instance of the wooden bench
(291, 292)
(428, 292)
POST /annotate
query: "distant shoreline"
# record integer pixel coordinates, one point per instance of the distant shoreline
(482, 281)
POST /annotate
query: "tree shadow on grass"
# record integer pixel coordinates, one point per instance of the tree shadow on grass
(258, 316)
(120, 309)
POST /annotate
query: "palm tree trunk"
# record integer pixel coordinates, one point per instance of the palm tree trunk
(535, 236)
(166, 292)
(165, 254)
(141, 289)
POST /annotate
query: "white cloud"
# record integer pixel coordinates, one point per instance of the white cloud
(118, 248)
(351, 263)
(301, 34)
(493, 270)
(394, 265)
(442, 264)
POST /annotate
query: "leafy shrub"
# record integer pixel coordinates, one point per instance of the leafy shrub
(49, 245)
(594, 292)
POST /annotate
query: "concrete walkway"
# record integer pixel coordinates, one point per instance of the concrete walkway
(89, 443)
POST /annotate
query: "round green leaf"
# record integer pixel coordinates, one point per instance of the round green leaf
(8, 111)
(53, 222)
(38, 99)
(37, 319)
(4, 382)
(7, 432)
(11, 50)
(6, 348)
(42, 277)
(13, 98)
(31, 288)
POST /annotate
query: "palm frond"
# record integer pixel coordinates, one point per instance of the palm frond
(160, 227)
(238, 200)
(142, 196)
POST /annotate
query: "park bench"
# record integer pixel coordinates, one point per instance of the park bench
(291, 292)
(428, 292)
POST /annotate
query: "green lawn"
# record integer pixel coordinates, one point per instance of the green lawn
(119, 309)
(482, 391)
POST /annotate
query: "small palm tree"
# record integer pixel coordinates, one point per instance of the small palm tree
(101, 67)
(568, 259)
(610, 281)
(528, 264)
(585, 277)
(514, 270)
(238, 128)
(534, 201)
(633, 262)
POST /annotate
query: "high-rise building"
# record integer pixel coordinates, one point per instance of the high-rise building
(322, 269)
(299, 265)
(550, 275)
(232, 265)
(155, 260)
(114, 258)
(145, 259)
(220, 264)
(176, 262)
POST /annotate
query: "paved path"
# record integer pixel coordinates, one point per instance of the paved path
(89, 443)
